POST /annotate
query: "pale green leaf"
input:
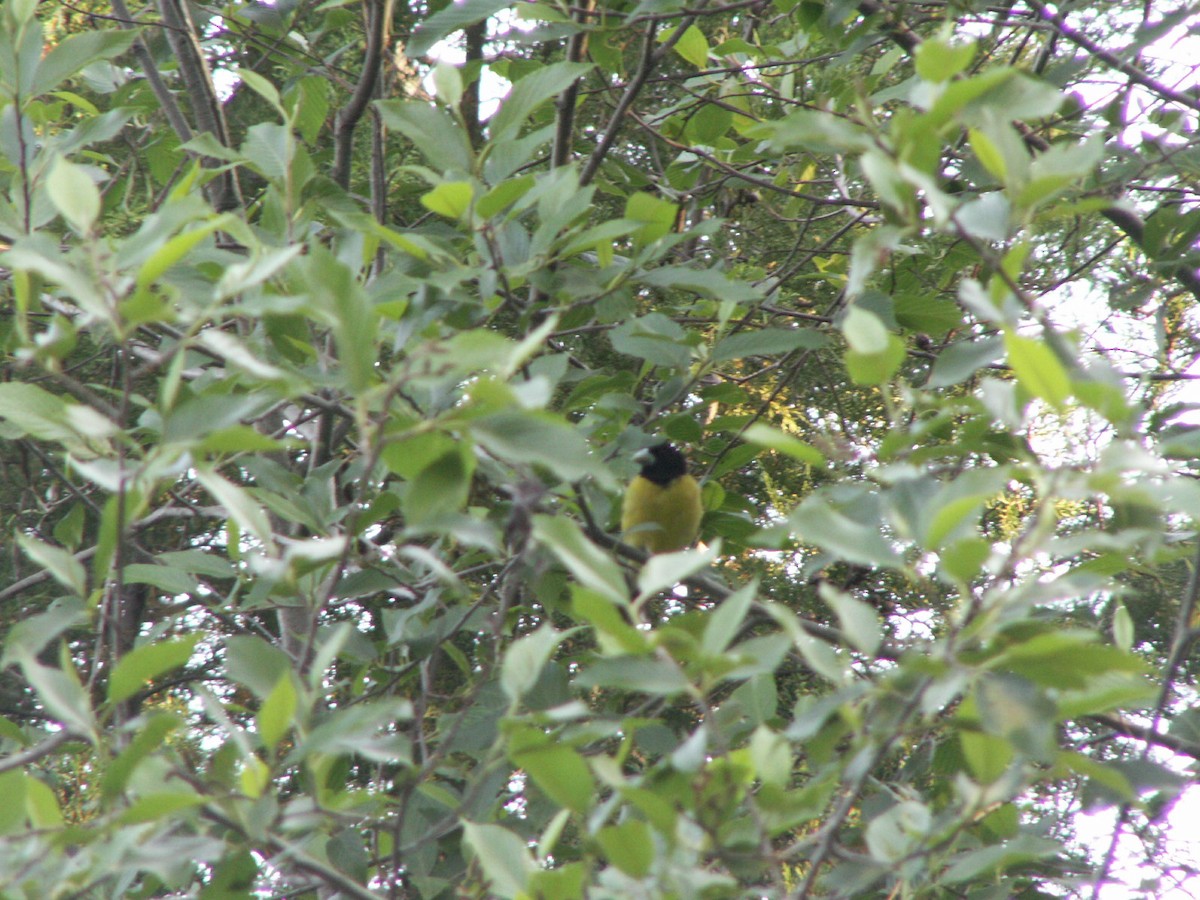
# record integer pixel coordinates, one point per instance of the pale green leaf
(143, 664)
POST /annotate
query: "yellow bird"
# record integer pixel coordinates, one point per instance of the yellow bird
(662, 509)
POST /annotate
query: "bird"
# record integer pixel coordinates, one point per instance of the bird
(661, 511)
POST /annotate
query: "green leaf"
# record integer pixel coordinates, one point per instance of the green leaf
(987, 756)
(613, 631)
(711, 283)
(963, 560)
(772, 757)
(629, 846)
(1038, 369)
(174, 250)
(1011, 707)
(450, 18)
(1065, 659)
(561, 773)
(143, 664)
(254, 777)
(255, 663)
(503, 856)
(440, 488)
(963, 359)
(504, 195)
(278, 711)
(432, 130)
(939, 60)
(958, 504)
(921, 312)
(61, 565)
(41, 804)
(877, 368)
(820, 132)
(262, 87)
(65, 698)
(709, 124)
(865, 332)
(447, 83)
(270, 149)
(692, 45)
(857, 539)
(726, 620)
(1023, 852)
(767, 342)
(654, 338)
(148, 738)
(892, 835)
(74, 195)
(525, 659)
(530, 92)
(77, 51)
(859, 622)
(541, 439)
(595, 568)
(1122, 627)
(663, 570)
(165, 805)
(451, 199)
(68, 530)
(238, 503)
(766, 436)
(348, 853)
(30, 635)
(650, 676)
(988, 154)
(657, 215)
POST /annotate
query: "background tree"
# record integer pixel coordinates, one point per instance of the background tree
(322, 380)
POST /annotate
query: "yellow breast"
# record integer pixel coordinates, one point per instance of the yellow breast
(660, 518)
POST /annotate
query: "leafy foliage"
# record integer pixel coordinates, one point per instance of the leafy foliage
(321, 385)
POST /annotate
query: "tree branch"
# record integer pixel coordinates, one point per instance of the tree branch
(378, 13)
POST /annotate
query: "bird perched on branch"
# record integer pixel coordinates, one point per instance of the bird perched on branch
(662, 509)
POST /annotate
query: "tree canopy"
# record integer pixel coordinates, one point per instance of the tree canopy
(330, 331)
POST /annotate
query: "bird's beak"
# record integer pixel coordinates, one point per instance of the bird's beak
(643, 456)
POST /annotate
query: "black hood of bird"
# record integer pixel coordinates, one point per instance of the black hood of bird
(662, 463)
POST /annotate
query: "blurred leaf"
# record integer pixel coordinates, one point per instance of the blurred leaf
(595, 568)
(503, 856)
(256, 664)
(938, 60)
(662, 570)
(63, 696)
(62, 566)
(276, 715)
(432, 130)
(628, 846)
(767, 342)
(143, 664)
(523, 661)
(692, 46)
(1012, 708)
(859, 622)
(856, 539)
(541, 439)
(450, 18)
(649, 676)
(74, 195)
(451, 199)
(76, 51)
(658, 215)
(961, 360)
(561, 773)
(1038, 369)
(545, 83)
